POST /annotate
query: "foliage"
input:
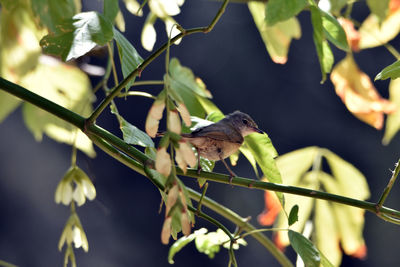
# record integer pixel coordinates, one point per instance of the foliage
(31, 30)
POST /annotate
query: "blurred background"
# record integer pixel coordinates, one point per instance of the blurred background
(123, 225)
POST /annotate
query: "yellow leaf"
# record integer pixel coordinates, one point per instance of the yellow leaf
(294, 164)
(310, 181)
(393, 119)
(350, 181)
(276, 38)
(67, 86)
(359, 94)
(350, 220)
(326, 232)
(373, 33)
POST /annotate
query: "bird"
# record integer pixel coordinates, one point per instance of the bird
(219, 140)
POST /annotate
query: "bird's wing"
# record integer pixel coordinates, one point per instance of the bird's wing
(214, 131)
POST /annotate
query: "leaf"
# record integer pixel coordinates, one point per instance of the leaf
(327, 236)
(294, 164)
(182, 242)
(129, 57)
(380, 8)
(307, 251)
(110, 9)
(271, 210)
(77, 36)
(264, 153)
(19, 49)
(393, 119)
(8, 103)
(53, 12)
(134, 7)
(281, 10)
(310, 181)
(276, 38)
(73, 93)
(352, 35)
(375, 33)
(134, 136)
(293, 215)
(250, 157)
(349, 220)
(392, 71)
(334, 31)
(324, 52)
(348, 177)
(187, 86)
(6, 264)
(359, 94)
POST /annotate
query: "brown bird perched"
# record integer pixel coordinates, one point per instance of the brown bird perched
(219, 140)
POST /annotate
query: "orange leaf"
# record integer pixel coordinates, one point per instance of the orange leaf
(272, 209)
(353, 36)
(361, 252)
(394, 5)
(358, 93)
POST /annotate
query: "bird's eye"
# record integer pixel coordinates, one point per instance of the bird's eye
(245, 122)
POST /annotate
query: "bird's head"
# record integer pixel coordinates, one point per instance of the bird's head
(243, 123)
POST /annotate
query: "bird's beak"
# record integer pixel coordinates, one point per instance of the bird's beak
(258, 130)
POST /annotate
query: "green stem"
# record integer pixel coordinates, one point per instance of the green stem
(151, 82)
(90, 130)
(389, 186)
(116, 90)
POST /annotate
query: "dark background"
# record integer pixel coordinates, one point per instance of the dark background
(287, 101)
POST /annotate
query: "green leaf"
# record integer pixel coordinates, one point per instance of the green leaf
(182, 242)
(281, 10)
(110, 9)
(187, 86)
(77, 36)
(392, 71)
(129, 57)
(264, 153)
(325, 261)
(293, 215)
(73, 93)
(53, 12)
(250, 157)
(134, 136)
(379, 7)
(348, 177)
(337, 6)
(307, 251)
(334, 31)
(277, 38)
(393, 119)
(324, 52)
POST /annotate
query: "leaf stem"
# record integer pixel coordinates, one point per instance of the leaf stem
(117, 89)
(137, 93)
(389, 186)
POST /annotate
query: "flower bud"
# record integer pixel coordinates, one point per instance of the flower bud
(174, 122)
(166, 230)
(163, 161)
(188, 154)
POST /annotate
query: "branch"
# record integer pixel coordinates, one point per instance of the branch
(94, 130)
(116, 90)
